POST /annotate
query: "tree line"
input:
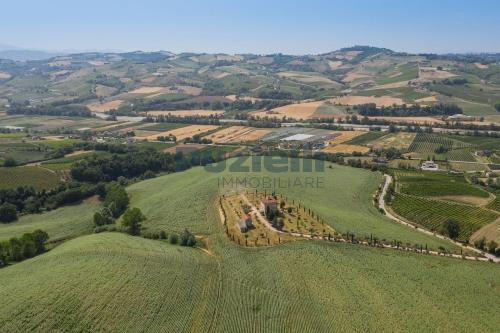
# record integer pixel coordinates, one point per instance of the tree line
(25, 247)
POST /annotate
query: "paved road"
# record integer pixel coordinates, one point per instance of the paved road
(381, 204)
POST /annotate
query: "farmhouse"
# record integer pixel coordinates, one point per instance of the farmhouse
(429, 166)
(245, 223)
(269, 205)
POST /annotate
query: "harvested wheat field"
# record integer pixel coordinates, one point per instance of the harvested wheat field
(147, 90)
(4, 76)
(186, 113)
(481, 66)
(105, 107)
(182, 133)
(358, 100)
(418, 120)
(334, 64)
(429, 99)
(183, 148)
(345, 136)
(238, 134)
(295, 111)
(347, 149)
(400, 140)
(350, 77)
(104, 91)
(434, 73)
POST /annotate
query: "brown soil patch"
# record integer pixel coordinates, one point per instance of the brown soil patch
(357, 100)
(238, 134)
(186, 113)
(350, 77)
(306, 78)
(334, 64)
(434, 73)
(295, 111)
(490, 232)
(183, 148)
(347, 149)
(104, 91)
(400, 140)
(147, 90)
(183, 132)
(4, 76)
(427, 99)
(476, 201)
(105, 107)
(481, 66)
(79, 152)
(344, 136)
(263, 60)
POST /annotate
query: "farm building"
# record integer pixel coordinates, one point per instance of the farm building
(245, 223)
(429, 166)
(269, 205)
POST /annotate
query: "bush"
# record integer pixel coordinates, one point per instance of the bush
(187, 238)
(99, 229)
(8, 213)
(163, 235)
(172, 239)
(9, 162)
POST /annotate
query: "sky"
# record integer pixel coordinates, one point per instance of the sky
(252, 26)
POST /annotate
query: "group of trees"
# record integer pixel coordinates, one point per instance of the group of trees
(116, 201)
(415, 110)
(72, 110)
(491, 246)
(454, 82)
(18, 249)
(25, 199)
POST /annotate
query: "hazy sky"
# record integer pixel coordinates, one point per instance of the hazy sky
(257, 26)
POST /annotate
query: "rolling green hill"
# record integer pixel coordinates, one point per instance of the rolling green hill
(114, 282)
(182, 200)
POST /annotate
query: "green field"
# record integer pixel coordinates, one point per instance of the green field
(436, 184)
(401, 73)
(367, 138)
(167, 201)
(162, 127)
(424, 145)
(62, 223)
(134, 284)
(37, 177)
(433, 213)
(495, 204)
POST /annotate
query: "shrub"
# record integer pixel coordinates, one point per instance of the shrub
(9, 162)
(163, 235)
(172, 239)
(8, 212)
(187, 238)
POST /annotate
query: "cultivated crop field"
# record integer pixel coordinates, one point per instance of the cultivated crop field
(62, 223)
(182, 132)
(425, 145)
(39, 178)
(238, 134)
(433, 184)
(433, 213)
(133, 283)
